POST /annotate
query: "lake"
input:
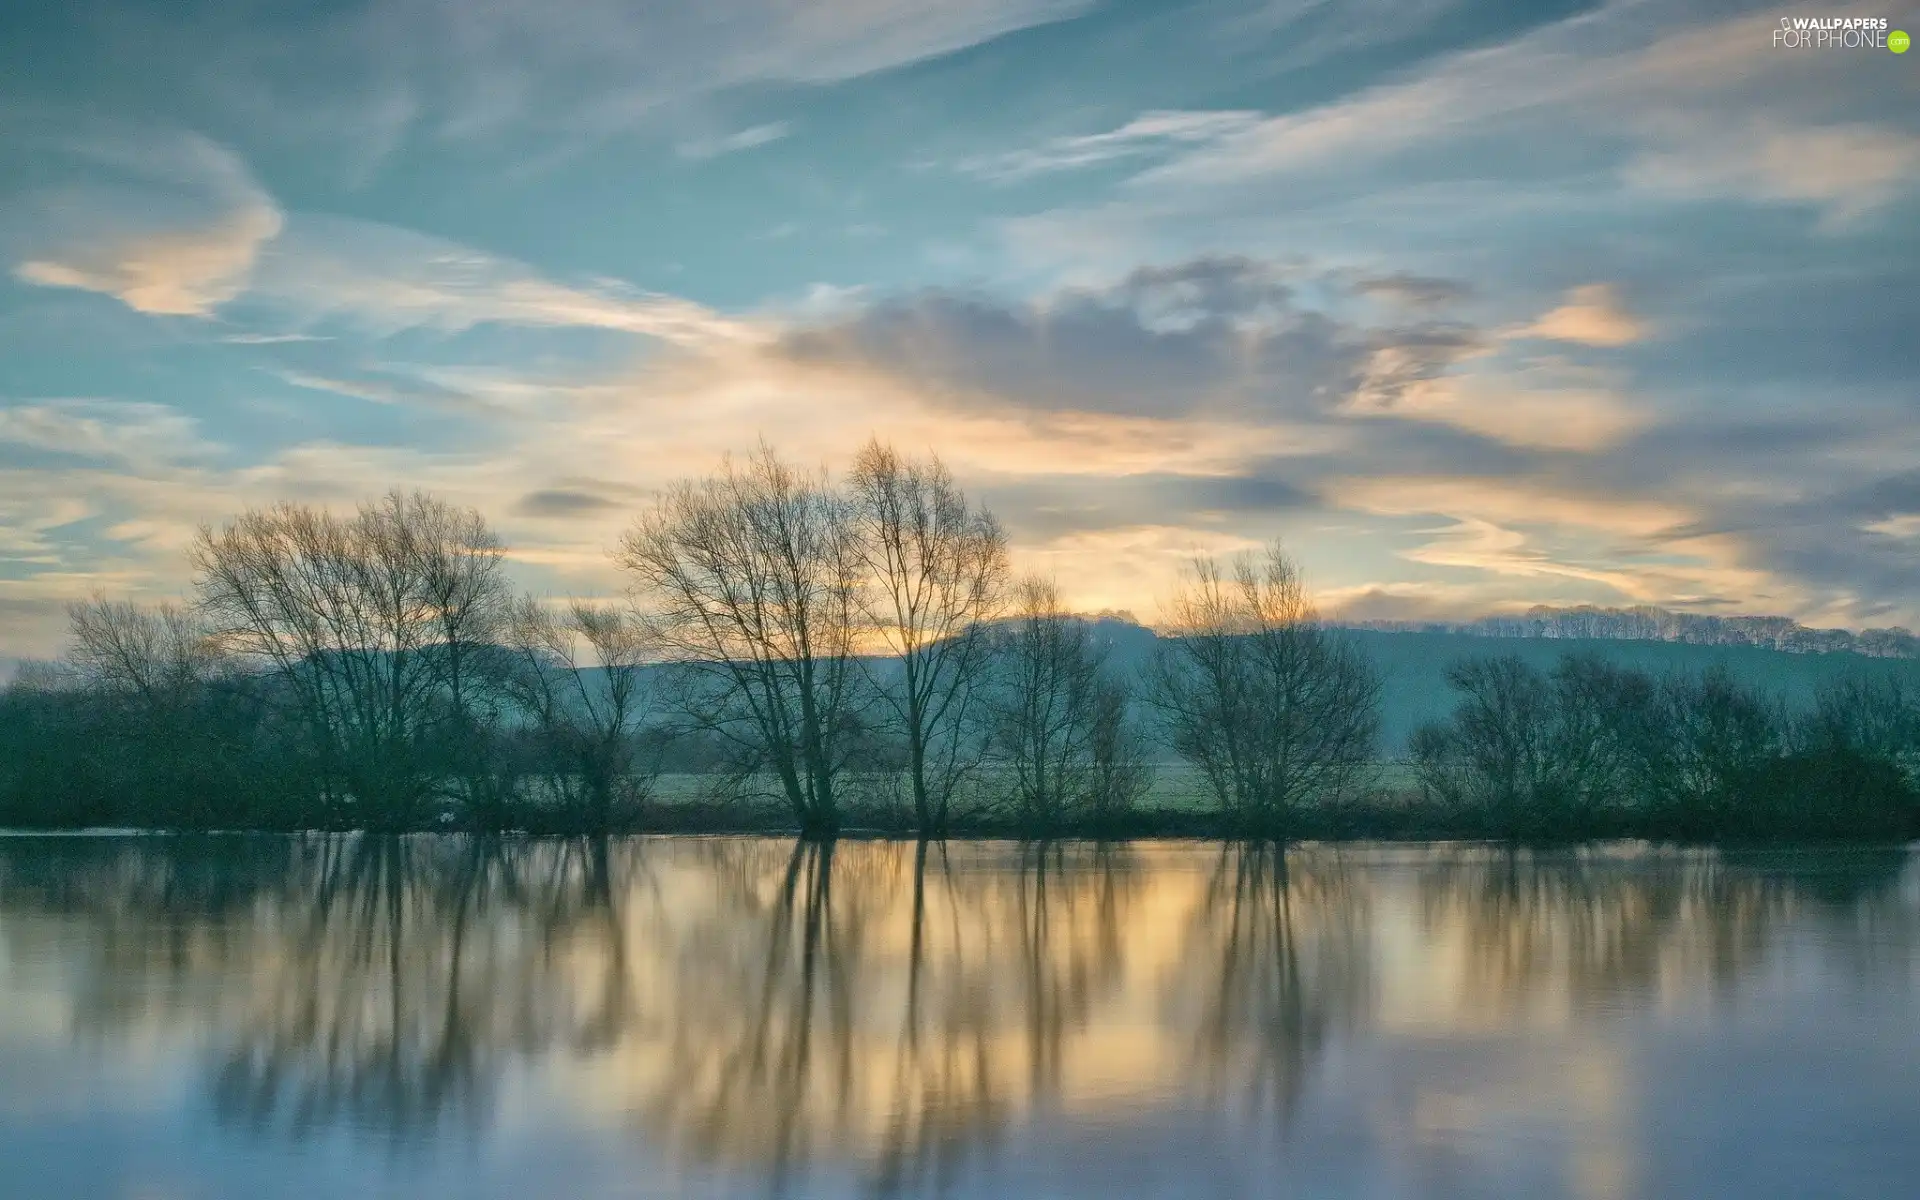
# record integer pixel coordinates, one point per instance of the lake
(195, 1017)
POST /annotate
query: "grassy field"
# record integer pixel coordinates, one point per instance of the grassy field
(1175, 787)
(1177, 802)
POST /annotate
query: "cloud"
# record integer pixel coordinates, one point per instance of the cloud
(391, 72)
(1417, 291)
(169, 224)
(1433, 405)
(386, 385)
(746, 139)
(1042, 508)
(110, 431)
(1111, 501)
(1841, 535)
(193, 232)
(1157, 407)
(561, 503)
(1682, 94)
(271, 339)
(1590, 316)
(384, 279)
(1206, 336)
(1847, 171)
(1150, 133)
(1905, 526)
(1310, 31)
(1539, 404)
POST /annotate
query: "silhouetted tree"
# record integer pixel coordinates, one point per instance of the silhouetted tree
(368, 623)
(937, 569)
(1537, 754)
(1594, 748)
(186, 739)
(1061, 726)
(751, 578)
(1876, 717)
(582, 676)
(1273, 709)
(53, 769)
(1722, 738)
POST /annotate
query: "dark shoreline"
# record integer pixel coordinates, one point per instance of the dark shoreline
(1352, 827)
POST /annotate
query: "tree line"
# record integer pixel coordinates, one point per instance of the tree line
(1593, 748)
(1646, 623)
(813, 653)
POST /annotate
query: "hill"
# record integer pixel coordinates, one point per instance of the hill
(1646, 623)
(1413, 665)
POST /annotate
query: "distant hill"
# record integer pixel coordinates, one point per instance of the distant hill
(1413, 664)
(1416, 691)
(1649, 624)
(1413, 660)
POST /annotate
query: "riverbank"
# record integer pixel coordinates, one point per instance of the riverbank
(1385, 817)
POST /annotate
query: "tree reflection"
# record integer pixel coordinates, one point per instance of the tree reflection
(886, 1008)
(1567, 928)
(1069, 908)
(379, 981)
(747, 1066)
(415, 967)
(1277, 957)
(895, 1011)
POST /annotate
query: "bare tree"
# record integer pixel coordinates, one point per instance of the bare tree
(461, 580)
(156, 654)
(368, 621)
(937, 571)
(1874, 715)
(1539, 754)
(468, 601)
(1061, 718)
(1272, 708)
(147, 675)
(582, 675)
(1500, 754)
(1722, 738)
(1121, 771)
(751, 581)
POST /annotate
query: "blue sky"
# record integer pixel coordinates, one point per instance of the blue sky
(1478, 306)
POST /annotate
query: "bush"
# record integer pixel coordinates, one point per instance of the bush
(1594, 748)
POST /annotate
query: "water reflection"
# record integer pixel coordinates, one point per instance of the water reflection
(1275, 958)
(892, 1011)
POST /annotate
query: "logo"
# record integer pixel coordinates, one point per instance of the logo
(1839, 33)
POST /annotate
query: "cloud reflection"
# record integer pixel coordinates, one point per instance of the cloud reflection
(904, 1014)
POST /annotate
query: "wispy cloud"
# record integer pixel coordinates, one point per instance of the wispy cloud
(168, 223)
(1206, 336)
(108, 431)
(1592, 315)
(1687, 96)
(384, 279)
(750, 138)
(1150, 133)
(386, 72)
(1608, 309)
(1846, 171)
(272, 339)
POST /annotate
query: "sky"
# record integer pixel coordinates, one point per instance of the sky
(1477, 306)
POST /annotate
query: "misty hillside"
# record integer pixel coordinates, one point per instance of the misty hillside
(1414, 665)
(1646, 623)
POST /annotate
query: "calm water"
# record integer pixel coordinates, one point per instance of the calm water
(240, 1017)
